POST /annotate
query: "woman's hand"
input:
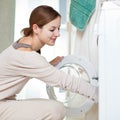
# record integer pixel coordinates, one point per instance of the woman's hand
(56, 60)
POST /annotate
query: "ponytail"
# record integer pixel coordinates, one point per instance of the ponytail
(27, 31)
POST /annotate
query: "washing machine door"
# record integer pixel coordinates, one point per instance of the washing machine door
(75, 104)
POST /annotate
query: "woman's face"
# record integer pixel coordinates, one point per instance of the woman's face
(49, 32)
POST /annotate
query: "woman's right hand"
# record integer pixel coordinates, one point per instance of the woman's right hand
(56, 60)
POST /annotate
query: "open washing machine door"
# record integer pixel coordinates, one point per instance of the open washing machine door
(75, 104)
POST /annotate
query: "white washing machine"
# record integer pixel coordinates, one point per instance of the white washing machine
(109, 60)
(76, 104)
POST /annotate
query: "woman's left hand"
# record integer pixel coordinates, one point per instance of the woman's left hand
(56, 60)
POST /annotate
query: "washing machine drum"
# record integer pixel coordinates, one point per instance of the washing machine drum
(75, 104)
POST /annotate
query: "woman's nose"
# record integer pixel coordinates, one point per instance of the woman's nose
(57, 33)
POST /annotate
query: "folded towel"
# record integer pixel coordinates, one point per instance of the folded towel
(80, 12)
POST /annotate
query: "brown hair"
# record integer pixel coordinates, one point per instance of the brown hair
(41, 15)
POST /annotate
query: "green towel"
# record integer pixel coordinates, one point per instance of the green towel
(80, 12)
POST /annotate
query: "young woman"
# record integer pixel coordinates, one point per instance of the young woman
(21, 61)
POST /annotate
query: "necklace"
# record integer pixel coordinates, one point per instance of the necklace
(17, 45)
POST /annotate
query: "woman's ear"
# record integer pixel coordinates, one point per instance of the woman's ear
(35, 28)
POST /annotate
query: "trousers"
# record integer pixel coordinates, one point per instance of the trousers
(32, 109)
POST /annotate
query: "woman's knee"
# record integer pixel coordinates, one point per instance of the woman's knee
(58, 111)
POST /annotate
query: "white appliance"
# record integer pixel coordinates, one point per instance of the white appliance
(76, 104)
(109, 61)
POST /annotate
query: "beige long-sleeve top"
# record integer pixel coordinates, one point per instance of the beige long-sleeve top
(17, 67)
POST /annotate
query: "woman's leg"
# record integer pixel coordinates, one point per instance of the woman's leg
(33, 109)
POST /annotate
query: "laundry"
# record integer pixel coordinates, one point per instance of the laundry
(80, 12)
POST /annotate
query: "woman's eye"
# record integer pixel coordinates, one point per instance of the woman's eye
(51, 30)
